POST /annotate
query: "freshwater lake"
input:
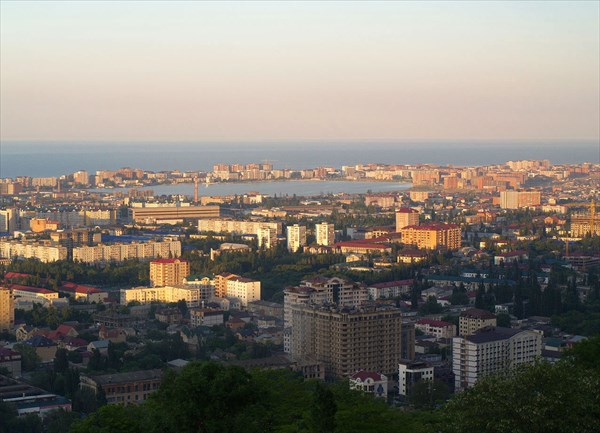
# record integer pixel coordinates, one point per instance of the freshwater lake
(272, 188)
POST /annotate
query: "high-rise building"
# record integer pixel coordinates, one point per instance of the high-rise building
(585, 223)
(325, 234)
(519, 199)
(267, 237)
(473, 319)
(492, 350)
(8, 220)
(168, 272)
(7, 309)
(406, 217)
(347, 340)
(81, 177)
(432, 236)
(296, 237)
(146, 295)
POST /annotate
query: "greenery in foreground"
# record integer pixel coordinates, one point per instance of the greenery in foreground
(211, 398)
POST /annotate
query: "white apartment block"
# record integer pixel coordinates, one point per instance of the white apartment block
(244, 289)
(44, 251)
(492, 350)
(236, 227)
(296, 237)
(325, 234)
(146, 295)
(267, 237)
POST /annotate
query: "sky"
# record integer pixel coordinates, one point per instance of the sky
(118, 70)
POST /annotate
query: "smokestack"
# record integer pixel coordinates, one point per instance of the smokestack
(196, 190)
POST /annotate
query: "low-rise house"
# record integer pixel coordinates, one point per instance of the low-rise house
(368, 381)
(437, 328)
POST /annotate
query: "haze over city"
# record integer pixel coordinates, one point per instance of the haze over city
(159, 71)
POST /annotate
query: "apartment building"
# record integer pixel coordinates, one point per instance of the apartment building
(237, 227)
(231, 285)
(432, 236)
(7, 309)
(406, 217)
(146, 295)
(492, 350)
(204, 283)
(437, 328)
(347, 340)
(296, 237)
(132, 387)
(267, 237)
(325, 234)
(473, 319)
(519, 199)
(168, 272)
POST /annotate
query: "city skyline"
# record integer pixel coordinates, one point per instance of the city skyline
(299, 71)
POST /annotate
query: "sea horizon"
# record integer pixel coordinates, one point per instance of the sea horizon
(55, 158)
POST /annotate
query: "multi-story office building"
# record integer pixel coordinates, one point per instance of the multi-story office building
(473, 319)
(411, 372)
(347, 340)
(406, 217)
(7, 309)
(296, 237)
(492, 350)
(124, 388)
(432, 236)
(325, 234)
(168, 272)
(172, 214)
(519, 199)
(146, 295)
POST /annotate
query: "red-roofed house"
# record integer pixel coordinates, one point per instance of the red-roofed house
(369, 381)
(437, 328)
(83, 293)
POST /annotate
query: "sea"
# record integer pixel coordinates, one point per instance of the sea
(43, 159)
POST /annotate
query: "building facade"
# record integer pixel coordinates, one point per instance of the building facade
(347, 340)
(406, 217)
(296, 237)
(492, 350)
(473, 319)
(325, 234)
(432, 236)
(168, 272)
(7, 309)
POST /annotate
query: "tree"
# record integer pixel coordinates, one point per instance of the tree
(29, 357)
(322, 410)
(61, 361)
(431, 306)
(503, 320)
(542, 398)
(429, 394)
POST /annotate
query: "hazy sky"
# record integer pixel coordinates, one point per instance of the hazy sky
(139, 70)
